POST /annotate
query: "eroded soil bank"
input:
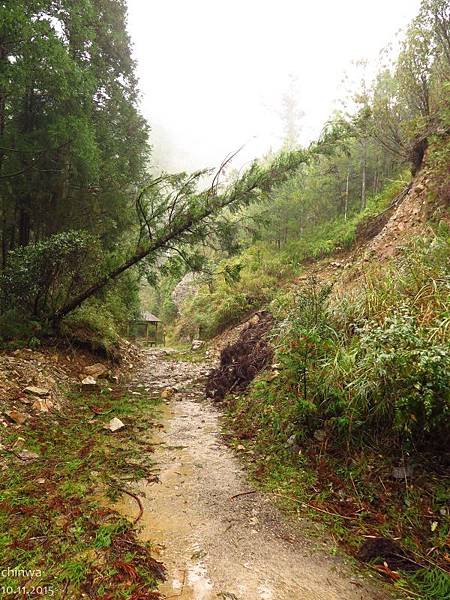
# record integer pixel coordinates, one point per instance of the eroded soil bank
(217, 536)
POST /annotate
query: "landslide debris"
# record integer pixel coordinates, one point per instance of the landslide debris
(242, 360)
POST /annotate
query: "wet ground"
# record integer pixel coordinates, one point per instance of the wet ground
(217, 540)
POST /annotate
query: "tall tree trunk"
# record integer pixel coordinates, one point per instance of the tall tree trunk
(364, 175)
(24, 227)
(4, 244)
(346, 195)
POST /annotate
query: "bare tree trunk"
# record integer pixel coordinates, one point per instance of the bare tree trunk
(364, 174)
(4, 244)
(346, 195)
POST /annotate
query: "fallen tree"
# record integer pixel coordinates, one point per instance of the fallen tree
(174, 215)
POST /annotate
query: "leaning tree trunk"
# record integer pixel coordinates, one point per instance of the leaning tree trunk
(192, 218)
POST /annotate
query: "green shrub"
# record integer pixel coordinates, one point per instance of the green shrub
(373, 366)
(400, 379)
(92, 326)
(41, 277)
(17, 327)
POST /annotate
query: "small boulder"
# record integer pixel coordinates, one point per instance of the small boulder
(42, 405)
(98, 370)
(89, 383)
(37, 391)
(16, 417)
(114, 425)
(197, 344)
(27, 455)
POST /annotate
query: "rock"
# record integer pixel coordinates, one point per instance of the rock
(98, 370)
(291, 440)
(16, 416)
(27, 455)
(42, 405)
(89, 383)
(197, 344)
(184, 289)
(36, 391)
(254, 320)
(114, 425)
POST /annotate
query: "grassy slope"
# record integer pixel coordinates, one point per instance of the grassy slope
(332, 454)
(264, 270)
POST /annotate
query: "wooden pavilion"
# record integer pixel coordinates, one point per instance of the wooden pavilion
(145, 326)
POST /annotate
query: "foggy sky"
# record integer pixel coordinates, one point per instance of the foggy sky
(213, 74)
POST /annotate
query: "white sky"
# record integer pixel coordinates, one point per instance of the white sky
(213, 73)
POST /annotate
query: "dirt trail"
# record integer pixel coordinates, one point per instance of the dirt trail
(214, 545)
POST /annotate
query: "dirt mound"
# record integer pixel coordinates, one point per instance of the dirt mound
(242, 360)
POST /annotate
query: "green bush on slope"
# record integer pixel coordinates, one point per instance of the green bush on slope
(372, 368)
(262, 269)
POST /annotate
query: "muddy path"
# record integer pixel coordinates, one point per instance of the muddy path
(216, 540)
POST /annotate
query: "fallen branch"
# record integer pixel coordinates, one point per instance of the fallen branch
(243, 494)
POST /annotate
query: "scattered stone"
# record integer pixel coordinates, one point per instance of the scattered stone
(98, 370)
(89, 383)
(16, 416)
(197, 344)
(42, 405)
(36, 391)
(114, 425)
(27, 455)
(41, 481)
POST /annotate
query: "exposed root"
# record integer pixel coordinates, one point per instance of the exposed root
(242, 361)
(138, 500)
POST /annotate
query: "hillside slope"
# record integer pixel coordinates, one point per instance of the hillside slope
(349, 421)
